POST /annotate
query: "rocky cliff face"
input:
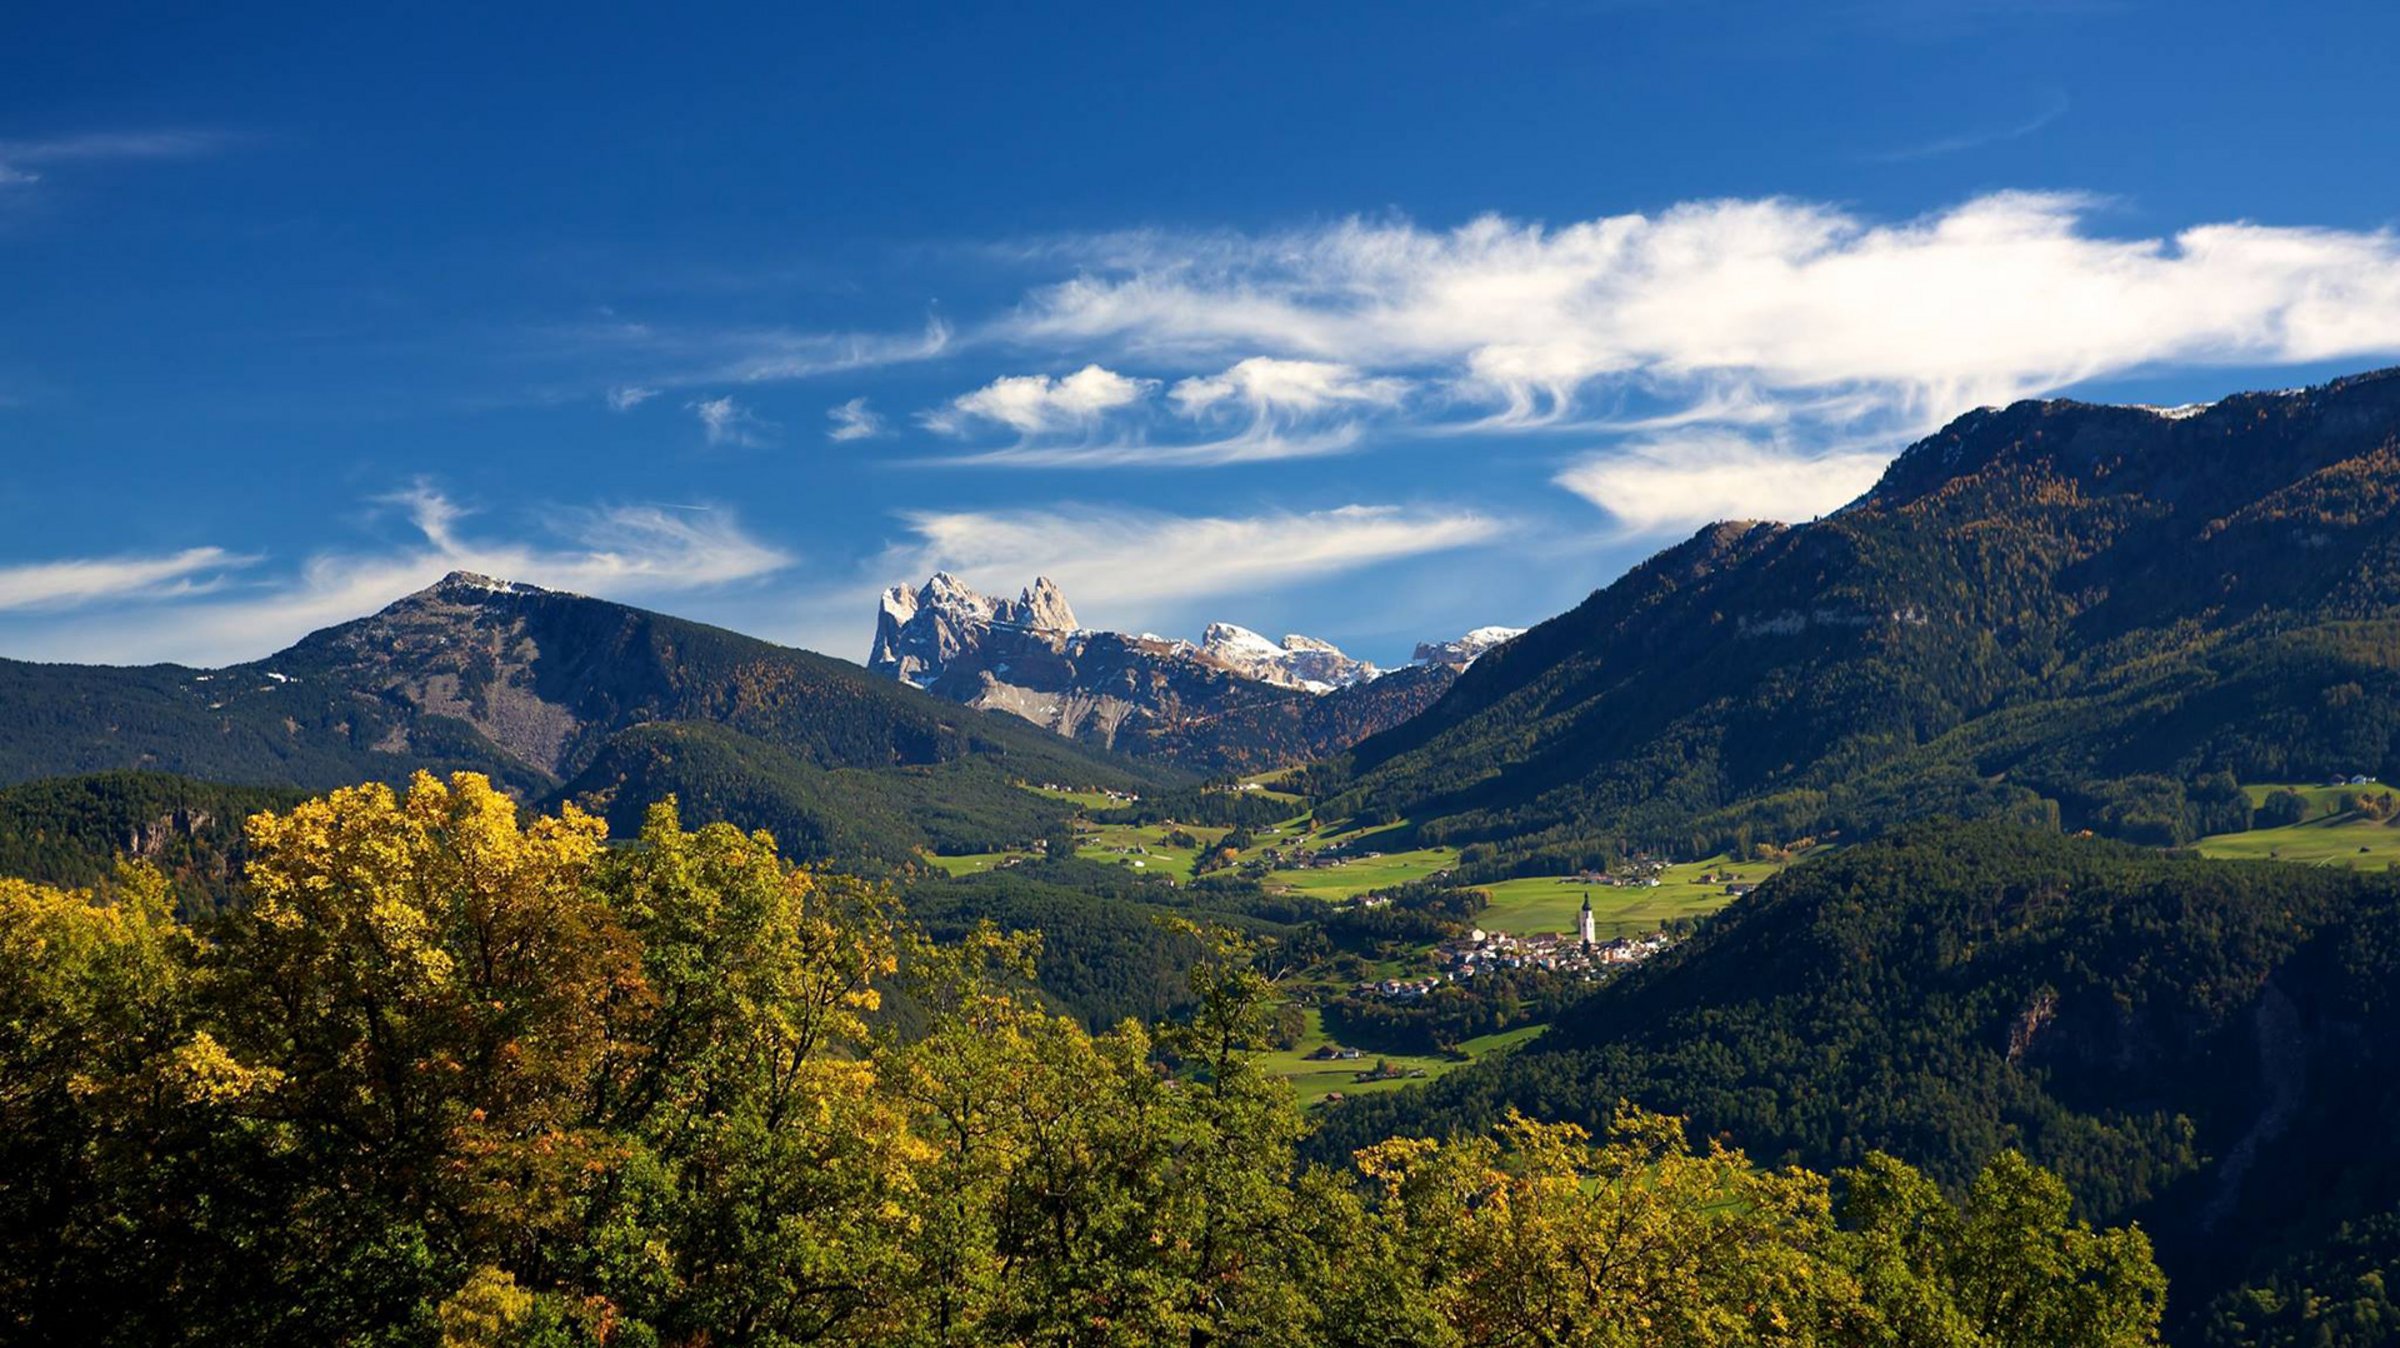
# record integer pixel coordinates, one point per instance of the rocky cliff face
(1236, 700)
(919, 632)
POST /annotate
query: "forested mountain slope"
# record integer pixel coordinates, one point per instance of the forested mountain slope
(533, 687)
(2052, 612)
(73, 830)
(2208, 1047)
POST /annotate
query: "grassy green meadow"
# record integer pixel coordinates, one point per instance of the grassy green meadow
(972, 863)
(1313, 1081)
(1537, 904)
(2328, 837)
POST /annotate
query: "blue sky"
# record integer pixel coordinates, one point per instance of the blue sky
(1376, 322)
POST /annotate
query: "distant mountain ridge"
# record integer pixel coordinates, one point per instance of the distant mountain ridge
(2055, 611)
(1235, 701)
(536, 688)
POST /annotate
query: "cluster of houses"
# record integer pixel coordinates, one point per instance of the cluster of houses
(1301, 857)
(1478, 952)
(1579, 952)
(1642, 872)
(1113, 797)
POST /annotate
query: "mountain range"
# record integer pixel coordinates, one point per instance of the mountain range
(2056, 612)
(562, 696)
(2048, 618)
(1234, 702)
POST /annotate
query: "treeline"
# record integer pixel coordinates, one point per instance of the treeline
(1214, 808)
(458, 1078)
(1449, 1015)
(868, 820)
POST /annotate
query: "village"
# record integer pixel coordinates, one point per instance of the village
(1578, 952)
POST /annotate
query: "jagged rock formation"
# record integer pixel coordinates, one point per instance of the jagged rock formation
(918, 633)
(1236, 700)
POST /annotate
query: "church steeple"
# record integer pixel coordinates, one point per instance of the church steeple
(1586, 929)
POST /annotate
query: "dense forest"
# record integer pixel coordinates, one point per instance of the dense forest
(2208, 1047)
(452, 1077)
(73, 831)
(2056, 613)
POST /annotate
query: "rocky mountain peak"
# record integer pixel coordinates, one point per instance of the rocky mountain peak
(468, 583)
(919, 633)
(1043, 608)
(1461, 652)
(1296, 662)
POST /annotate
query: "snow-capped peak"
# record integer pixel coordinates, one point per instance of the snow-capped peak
(1298, 661)
(1465, 650)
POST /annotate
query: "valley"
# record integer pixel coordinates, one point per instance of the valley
(1753, 836)
(1564, 674)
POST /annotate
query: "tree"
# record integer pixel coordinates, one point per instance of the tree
(2009, 1269)
(2282, 808)
(1537, 1235)
(94, 1002)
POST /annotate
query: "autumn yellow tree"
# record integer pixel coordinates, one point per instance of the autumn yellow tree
(456, 1075)
(1540, 1236)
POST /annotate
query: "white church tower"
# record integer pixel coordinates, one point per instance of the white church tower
(1586, 930)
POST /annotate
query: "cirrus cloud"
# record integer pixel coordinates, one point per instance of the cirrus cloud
(1811, 330)
(626, 552)
(1258, 409)
(84, 580)
(1125, 560)
(853, 420)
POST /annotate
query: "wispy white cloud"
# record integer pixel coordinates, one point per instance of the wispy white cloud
(766, 356)
(1256, 443)
(2053, 108)
(1123, 564)
(626, 397)
(85, 580)
(1265, 387)
(1810, 330)
(22, 160)
(653, 356)
(1672, 483)
(853, 420)
(627, 552)
(726, 422)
